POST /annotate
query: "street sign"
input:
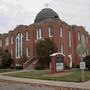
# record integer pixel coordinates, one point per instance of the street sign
(81, 51)
(82, 65)
(59, 66)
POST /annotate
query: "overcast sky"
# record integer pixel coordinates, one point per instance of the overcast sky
(16, 12)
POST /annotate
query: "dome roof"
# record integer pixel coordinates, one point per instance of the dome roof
(45, 14)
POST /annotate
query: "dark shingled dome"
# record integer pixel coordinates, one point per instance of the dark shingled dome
(45, 14)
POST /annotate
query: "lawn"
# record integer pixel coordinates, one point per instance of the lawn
(74, 76)
(6, 70)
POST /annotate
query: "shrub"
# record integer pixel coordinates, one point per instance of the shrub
(39, 67)
(1, 66)
(6, 60)
(77, 66)
(43, 50)
(19, 67)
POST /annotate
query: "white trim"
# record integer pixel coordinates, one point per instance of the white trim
(39, 33)
(0, 42)
(11, 53)
(61, 31)
(6, 41)
(12, 40)
(50, 32)
(87, 39)
(79, 36)
(27, 36)
(19, 45)
(27, 51)
(70, 42)
(71, 62)
(62, 48)
(54, 54)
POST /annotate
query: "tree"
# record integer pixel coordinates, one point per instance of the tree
(6, 59)
(1, 58)
(87, 62)
(43, 50)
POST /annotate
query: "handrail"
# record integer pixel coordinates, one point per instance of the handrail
(28, 62)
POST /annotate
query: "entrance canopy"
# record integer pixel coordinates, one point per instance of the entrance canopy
(54, 54)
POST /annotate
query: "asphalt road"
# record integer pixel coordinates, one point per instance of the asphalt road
(7, 85)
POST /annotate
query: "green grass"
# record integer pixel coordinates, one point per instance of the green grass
(6, 70)
(74, 76)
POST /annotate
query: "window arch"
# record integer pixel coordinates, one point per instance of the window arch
(61, 31)
(19, 45)
(50, 31)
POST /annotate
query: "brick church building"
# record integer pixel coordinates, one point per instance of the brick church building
(47, 23)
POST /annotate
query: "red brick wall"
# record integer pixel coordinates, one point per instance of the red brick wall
(55, 24)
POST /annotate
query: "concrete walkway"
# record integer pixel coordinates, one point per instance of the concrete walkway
(84, 85)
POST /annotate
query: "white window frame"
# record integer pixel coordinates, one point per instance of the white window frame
(7, 41)
(83, 40)
(19, 45)
(27, 36)
(62, 48)
(70, 39)
(0, 42)
(39, 33)
(27, 51)
(87, 39)
(61, 31)
(11, 53)
(79, 36)
(12, 40)
(50, 32)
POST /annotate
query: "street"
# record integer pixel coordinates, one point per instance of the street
(7, 85)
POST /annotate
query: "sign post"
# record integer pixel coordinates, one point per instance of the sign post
(82, 68)
(81, 51)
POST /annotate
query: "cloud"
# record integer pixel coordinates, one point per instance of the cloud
(73, 12)
(14, 12)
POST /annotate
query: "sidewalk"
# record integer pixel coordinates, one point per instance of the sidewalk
(84, 85)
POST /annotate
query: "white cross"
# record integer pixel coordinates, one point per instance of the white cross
(46, 5)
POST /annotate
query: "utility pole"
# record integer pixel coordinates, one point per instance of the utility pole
(82, 69)
(81, 51)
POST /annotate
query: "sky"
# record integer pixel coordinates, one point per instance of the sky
(16, 12)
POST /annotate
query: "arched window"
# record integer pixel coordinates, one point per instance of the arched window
(11, 53)
(79, 36)
(61, 31)
(27, 51)
(27, 36)
(0, 42)
(6, 41)
(39, 33)
(70, 40)
(19, 45)
(11, 39)
(50, 32)
(62, 48)
(87, 39)
(83, 40)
